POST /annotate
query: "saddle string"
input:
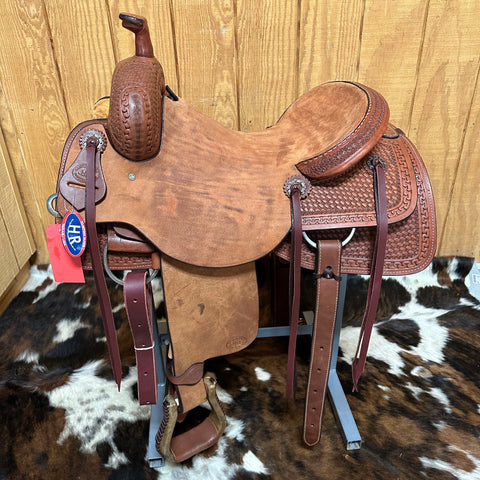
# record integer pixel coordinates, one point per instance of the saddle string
(327, 274)
(294, 287)
(93, 156)
(376, 271)
(296, 187)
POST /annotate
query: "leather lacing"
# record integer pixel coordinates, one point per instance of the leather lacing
(163, 425)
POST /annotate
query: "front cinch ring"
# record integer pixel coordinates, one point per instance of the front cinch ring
(152, 272)
(344, 242)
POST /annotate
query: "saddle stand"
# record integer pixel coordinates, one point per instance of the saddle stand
(331, 187)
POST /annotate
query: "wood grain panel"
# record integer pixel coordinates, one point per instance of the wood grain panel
(19, 171)
(267, 60)
(445, 87)
(83, 51)
(8, 267)
(14, 288)
(392, 37)
(462, 228)
(329, 41)
(12, 212)
(15, 238)
(204, 38)
(158, 15)
(33, 93)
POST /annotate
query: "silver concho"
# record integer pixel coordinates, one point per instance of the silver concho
(100, 137)
(297, 180)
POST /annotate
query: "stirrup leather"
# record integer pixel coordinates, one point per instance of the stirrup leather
(181, 447)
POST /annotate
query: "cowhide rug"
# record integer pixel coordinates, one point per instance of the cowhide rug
(417, 409)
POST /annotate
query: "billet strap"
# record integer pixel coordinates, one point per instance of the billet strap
(199, 438)
(327, 274)
(139, 306)
(376, 270)
(93, 157)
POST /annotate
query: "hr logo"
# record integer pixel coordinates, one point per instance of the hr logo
(74, 234)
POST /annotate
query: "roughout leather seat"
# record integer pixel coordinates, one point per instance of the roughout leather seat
(211, 183)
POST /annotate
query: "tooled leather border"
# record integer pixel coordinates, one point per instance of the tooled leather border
(404, 207)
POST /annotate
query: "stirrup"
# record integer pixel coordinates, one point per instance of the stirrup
(181, 447)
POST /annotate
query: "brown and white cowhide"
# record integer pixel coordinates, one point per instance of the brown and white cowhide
(418, 408)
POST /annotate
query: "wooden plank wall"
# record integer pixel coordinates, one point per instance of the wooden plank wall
(242, 62)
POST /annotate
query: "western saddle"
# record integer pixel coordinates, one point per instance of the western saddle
(161, 186)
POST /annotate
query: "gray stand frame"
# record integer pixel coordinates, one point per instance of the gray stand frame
(345, 421)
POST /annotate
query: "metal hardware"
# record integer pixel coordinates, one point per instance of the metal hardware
(344, 242)
(152, 272)
(99, 137)
(50, 208)
(300, 182)
(375, 160)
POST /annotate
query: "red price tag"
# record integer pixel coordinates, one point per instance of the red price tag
(66, 269)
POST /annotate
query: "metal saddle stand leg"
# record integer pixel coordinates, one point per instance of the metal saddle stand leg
(345, 420)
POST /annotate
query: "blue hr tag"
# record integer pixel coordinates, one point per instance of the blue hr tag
(74, 234)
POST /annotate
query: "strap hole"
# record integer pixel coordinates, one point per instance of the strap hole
(135, 300)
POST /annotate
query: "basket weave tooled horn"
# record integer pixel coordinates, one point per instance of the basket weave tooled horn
(134, 124)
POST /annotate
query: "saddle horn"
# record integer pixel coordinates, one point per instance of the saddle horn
(134, 124)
